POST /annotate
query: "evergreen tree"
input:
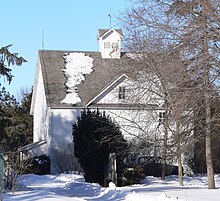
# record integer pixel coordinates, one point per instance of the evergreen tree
(95, 136)
(15, 121)
(6, 60)
(7, 108)
(26, 120)
(12, 125)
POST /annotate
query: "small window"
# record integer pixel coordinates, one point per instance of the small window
(121, 93)
(107, 44)
(114, 45)
(162, 116)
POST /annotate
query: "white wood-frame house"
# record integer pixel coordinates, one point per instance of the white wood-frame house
(109, 85)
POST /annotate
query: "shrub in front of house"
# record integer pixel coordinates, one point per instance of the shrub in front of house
(95, 136)
(132, 176)
(38, 165)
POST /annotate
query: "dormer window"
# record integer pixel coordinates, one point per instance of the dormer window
(121, 94)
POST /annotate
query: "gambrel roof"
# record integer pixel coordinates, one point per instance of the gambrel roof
(105, 71)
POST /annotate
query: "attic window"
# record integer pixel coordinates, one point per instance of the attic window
(162, 116)
(121, 94)
(107, 45)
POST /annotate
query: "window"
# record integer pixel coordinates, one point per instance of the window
(115, 45)
(121, 94)
(162, 116)
(107, 44)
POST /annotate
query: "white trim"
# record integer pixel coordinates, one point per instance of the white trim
(36, 76)
(106, 88)
(32, 145)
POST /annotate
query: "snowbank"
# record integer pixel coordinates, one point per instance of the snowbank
(70, 187)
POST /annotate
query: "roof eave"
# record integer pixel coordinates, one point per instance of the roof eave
(106, 88)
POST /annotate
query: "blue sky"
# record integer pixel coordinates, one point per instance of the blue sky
(66, 24)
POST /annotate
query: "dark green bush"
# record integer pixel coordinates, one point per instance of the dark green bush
(133, 175)
(38, 165)
(95, 137)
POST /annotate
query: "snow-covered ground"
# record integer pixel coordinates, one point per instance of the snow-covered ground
(71, 187)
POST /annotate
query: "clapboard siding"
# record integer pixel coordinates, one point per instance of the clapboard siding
(41, 111)
(61, 125)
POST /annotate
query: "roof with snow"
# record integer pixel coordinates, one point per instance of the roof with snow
(104, 72)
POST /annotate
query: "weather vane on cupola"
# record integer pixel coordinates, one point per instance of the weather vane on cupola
(110, 19)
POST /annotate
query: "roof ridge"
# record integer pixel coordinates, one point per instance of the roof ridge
(83, 51)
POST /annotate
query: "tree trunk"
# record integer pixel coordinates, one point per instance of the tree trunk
(208, 139)
(164, 157)
(209, 163)
(208, 142)
(180, 170)
(179, 155)
(165, 124)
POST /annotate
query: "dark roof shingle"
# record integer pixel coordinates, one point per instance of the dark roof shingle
(101, 32)
(105, 71)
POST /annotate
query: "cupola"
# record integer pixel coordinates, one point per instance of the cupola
(110, 42)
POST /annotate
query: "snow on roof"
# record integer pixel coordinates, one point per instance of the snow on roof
(76, 66)
(105, 71)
